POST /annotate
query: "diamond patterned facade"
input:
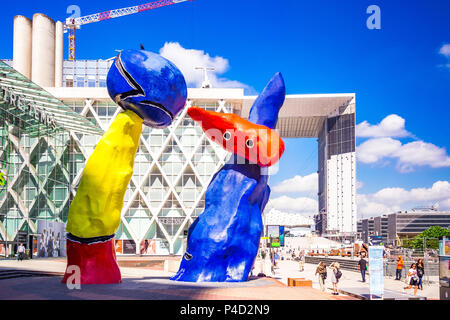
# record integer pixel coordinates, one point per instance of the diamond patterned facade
(36, 157)
(172, 170)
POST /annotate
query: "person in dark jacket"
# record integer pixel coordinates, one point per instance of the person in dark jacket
(362, 265)
(420, 272)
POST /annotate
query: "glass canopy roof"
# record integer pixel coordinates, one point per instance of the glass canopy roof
(35, 109)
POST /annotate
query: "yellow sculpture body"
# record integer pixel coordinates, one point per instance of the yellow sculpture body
(97, 206)
(152, 91)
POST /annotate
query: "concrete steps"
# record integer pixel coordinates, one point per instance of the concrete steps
(154, 264)
(12, 273)
(346, 264)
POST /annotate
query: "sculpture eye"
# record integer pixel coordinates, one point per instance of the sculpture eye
(227, 136)
(249, 143)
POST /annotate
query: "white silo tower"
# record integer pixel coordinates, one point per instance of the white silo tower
(43, 51)
(59, 53)
(22, 45)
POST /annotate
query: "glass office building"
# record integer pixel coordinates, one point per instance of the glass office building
(337, 216)
(36, 158)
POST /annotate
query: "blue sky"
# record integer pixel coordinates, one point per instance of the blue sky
(319, 46)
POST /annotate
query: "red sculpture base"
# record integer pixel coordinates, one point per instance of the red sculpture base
(96, 262)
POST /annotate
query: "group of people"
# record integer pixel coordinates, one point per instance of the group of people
(415, 274)
(335, 275)
(270, 256)
(50, 244)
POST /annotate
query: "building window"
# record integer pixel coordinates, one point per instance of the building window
(69, 83)
(91, 82)
(80, 82)
(102, 82)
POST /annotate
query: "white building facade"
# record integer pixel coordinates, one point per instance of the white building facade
(174, 166)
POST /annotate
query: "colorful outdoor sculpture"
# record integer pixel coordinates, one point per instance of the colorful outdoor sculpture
(152, 91)
(223, 241)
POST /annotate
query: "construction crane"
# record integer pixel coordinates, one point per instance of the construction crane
(73, 24)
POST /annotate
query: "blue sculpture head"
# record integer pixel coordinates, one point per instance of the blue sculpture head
(148, 84)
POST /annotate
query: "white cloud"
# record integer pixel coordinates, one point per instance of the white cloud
(408, 156)
(381, 146)
(391, 126)
(366, 207)
(419, 153)
(445, 50)
(277, 217)
(374, 150)
(298, 184)
(187, 59)
(444, 205)
(301, 205)
(359, 184)
(389, 200)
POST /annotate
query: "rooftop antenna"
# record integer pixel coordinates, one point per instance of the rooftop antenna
(205, 84)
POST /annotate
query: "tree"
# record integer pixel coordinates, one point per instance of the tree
(430, 238)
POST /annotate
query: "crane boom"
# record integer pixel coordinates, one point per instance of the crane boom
(74, 23)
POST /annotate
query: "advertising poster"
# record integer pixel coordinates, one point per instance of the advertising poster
(129, 247)
(35, 244)
(282, 236)
(376, 271)
(375, 240)
(148, 246)
(52, 239)
(2, 249)
(444, 246)
(444, 271)
(273, 232)
(154, 246)
(119, 246)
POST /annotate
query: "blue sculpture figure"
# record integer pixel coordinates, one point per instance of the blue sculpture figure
(223, 241)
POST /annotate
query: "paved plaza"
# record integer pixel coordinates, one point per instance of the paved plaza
(351, 281)
(150, 283)
(153, 283)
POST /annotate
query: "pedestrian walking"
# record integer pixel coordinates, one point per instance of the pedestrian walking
(301, 262)
(321, 271)
(267, 264)
(400, 263)
(336, 274)
(362, 266)
(420, 273)
(20, 252)
(414, 282)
